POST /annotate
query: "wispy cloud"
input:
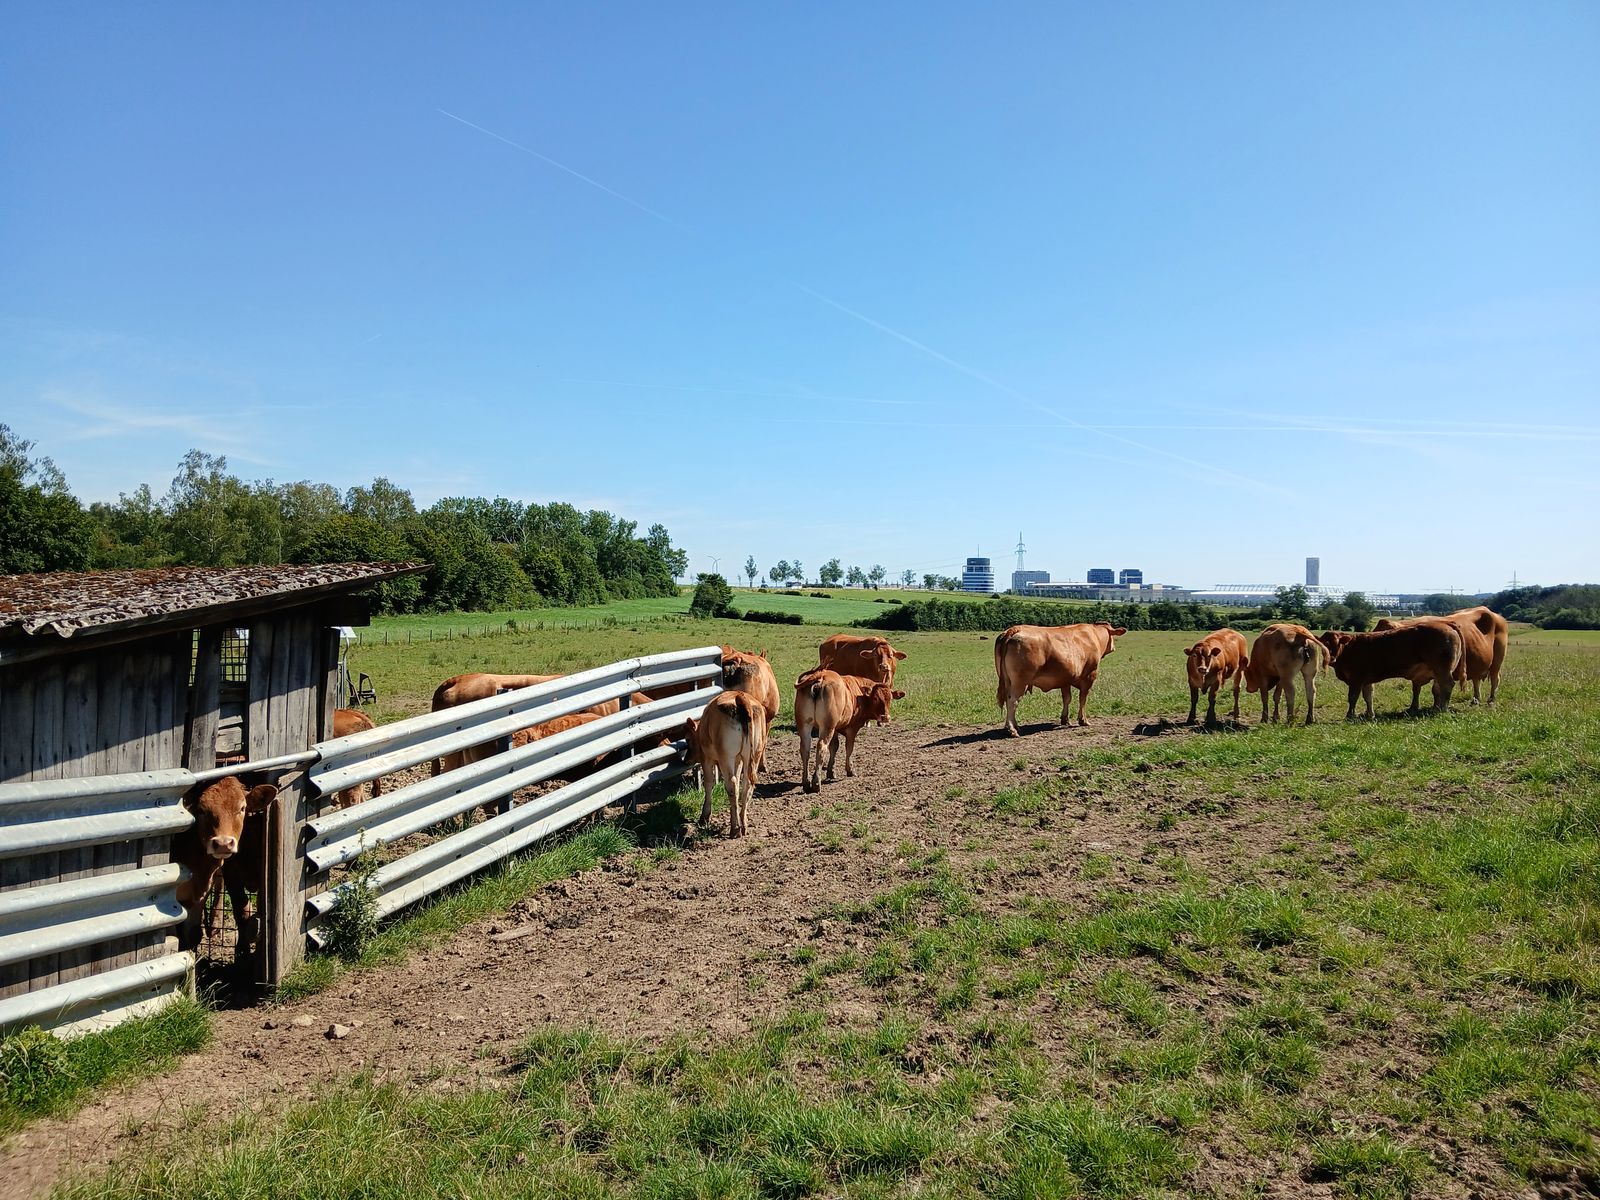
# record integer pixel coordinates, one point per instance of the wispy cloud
(799, 393)
(228, 431)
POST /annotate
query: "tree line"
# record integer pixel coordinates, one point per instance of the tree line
(1565, 606)
(834, 573)
(487, 554)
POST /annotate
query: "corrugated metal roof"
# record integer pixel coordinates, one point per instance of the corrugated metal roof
(67, 603)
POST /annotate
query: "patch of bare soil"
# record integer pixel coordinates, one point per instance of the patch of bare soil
(699, 945)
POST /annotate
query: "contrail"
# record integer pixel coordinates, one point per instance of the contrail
(886, 330)
(561, 166)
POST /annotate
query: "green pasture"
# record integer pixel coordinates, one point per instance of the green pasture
(947, 677)
(840, 606)
(1360, 959)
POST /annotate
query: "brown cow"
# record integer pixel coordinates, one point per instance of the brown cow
(220, 810)
(464, 689)
(1213, 660)
(828, 706)
(1484, 634)
(345, 722)
(1050, 657)
(729, 739)
(1281, 652)
(752, 674)
(864, 657)
(1363, 659)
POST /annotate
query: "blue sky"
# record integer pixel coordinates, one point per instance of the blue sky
(1201, 289)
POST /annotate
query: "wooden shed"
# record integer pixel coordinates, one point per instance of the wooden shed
(110, 675)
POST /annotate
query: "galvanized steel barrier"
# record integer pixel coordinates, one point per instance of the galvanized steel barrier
(65, 918)
(336, 838)
(60, 918)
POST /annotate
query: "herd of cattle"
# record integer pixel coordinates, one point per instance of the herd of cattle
(853, 685)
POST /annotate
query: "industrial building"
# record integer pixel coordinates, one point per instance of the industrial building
(978, 576)
(1250, 595)
(1131, 577)
(1111, 593)
(1102, 575)
(1020, 580)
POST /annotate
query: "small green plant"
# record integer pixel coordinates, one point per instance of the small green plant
(34, 1067)
(354, 922)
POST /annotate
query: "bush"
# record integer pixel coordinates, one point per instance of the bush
(994, 615)
(712, 598)
(773, 618)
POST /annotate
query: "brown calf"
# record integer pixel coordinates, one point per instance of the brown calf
(829, 706)
(1361, 660)
(1212, 661)
(864, 657)
(729, 739)
(220, 810)
(1281, 652)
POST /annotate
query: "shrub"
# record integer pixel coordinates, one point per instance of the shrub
(712, 598)
(773, 618)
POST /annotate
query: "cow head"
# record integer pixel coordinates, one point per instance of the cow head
(739, 667)
(1383, 624)
(1205, 664)
(883, 656)
(1335, 640)
(220, 810)
(691, 740)
(876, 700)
(1113, 632)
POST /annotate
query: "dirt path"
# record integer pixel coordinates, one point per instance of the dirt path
(643, 949)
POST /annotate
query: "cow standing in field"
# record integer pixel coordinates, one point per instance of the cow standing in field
(1361, 660)
(864, 657)
(1051, 657)
(1281, 652)
(1484, 635)
(729, 739)
(829, 706)
(218, 835)
(752, 675)
(464, 689)
(1212, 661)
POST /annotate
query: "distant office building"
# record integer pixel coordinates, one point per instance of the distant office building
(1131, 577)
(1110, 592)
(1026, 579)
(1104, 576)
(978, 576)
(1313, 572)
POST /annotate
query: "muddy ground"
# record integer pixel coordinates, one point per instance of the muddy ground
(646, 949)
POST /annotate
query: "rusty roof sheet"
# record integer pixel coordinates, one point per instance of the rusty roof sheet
(68, 603)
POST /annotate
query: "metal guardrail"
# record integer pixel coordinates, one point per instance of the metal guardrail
(338, 837)
(46, 816)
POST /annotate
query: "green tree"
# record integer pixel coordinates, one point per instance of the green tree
(1294, 604)
(930, 581)
(908, 578)
(830, 573)
(673, 559)
(131, 532)
(42, 525)
(856, 577)
(1360, 612)
(796, 571)
(712, 598)
(383, 502)
(877, 575)
(217, 520)
(751, 570)
(780, 572)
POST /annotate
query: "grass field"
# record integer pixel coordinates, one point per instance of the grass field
(840, 607)
(1382, 979)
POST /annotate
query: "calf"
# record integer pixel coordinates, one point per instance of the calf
(864, 657)
(345, 722)
(1281, 652)
(1363, 659)
(752, 674)
(729, 739)
(1050, 657)
(1212, 661)
(828, 706)
(218, 834)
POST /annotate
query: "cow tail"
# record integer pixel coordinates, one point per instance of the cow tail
(741, 711)
(1001, 644)
(1458, 657)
